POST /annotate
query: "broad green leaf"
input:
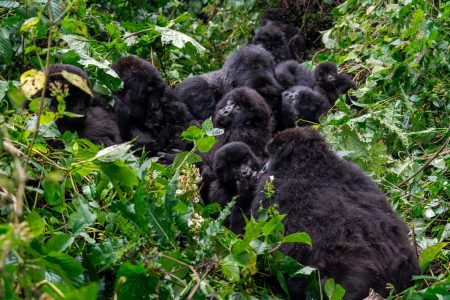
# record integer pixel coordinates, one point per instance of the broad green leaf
(29, 24)
(36, 223)
(114, 153)
(178, 39)
(192, 133)
(333, 291)
(429, 254)
(260, 247)
(298, 237)
(6, 50)
(186, 158)
(81, 218)
(272, 224)
(9, 4)
(88, 292)
(205, 144)
(59, 242)
(230, 268)
(65, 266)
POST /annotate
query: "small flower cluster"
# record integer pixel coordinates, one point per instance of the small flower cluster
(57, 89)
(269, 188)
(187, 183)
(195, 223)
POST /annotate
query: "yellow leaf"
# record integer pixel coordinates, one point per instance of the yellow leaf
(31, 82)
(77, 81)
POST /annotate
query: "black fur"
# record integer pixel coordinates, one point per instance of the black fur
(273, 40)
(146, 108)
(97, 124)
(330, 83)
(302, 103)
(290, 73)
(253, 66)
(199, 95)
(235, 169)
(357, 238)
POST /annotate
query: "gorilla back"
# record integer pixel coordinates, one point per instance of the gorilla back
(357, 238)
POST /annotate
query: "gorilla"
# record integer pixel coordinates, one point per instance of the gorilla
(146, 107)
(290, 73)
(253, 66)
(302, 103)
(273, 40)
(235, 169)
(245, 117)
(199, 95)
(330, 83)
(96, 124)
(357, 238)
(295, 42)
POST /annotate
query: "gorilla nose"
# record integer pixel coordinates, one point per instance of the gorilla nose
(246, 171)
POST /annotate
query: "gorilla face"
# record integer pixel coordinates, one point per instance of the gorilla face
(235, 164)
(303, 103)
(326, 75)
(242, 108)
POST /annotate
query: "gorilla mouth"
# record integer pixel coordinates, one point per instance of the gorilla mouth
(223, 121)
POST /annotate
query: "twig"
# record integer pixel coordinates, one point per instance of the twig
(426, 164)
(195, 288)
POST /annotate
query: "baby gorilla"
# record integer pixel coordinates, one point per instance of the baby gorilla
(357, 238)
(245, 117)
(96, 124)
(330, 83)
(235, 169)
(301, 103)
(290, 73)
(144, 106)
(273, 40)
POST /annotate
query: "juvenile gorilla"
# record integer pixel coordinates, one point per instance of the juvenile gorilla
(357, 238)
(253, 66)
(245, 117)
(96, 124)
(145, 105)
(273, 40)
(235, 169)
(290, 73)
(330, 83)
(301, 103)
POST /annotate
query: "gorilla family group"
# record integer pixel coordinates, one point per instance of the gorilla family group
(265, 100)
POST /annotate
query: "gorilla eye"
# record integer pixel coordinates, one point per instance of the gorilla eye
(234, 84)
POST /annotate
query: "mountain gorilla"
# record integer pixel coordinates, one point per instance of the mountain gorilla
(330, 83)
(302, 103)
(144, 106)
(273, 40)
(357, 238)
(245, 117)
(253, 66)
(235, 169)
(96, 124)
(290, 73)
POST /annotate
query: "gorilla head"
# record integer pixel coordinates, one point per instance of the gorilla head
(77, 101)
(302, 103)
(251, 66)
(235, 163)
(290, 73)
(242, 107)
(330, 83)
(272, 39)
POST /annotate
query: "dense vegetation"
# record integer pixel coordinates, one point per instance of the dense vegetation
(86, 222)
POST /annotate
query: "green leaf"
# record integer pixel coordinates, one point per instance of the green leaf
(59, 242)
(114, 153)
(334, 291)
(88, 292)
(205, 144)
(260, 247)
(186, 158)
(77, 81)
(230, 268)
(81, 218)
(9, 4)
(29, 24)
(178, 39)
(272, 224)
(36, 223)
(193, 133)
(298, 237)
(65, 266)
(429, 254)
